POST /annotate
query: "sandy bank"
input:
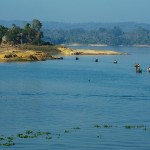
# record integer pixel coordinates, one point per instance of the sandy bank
(67, 51)
(21, 55)
(41, 55)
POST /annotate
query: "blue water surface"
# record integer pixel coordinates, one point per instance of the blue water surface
(61, 95)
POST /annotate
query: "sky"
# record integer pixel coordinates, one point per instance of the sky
(76, 11)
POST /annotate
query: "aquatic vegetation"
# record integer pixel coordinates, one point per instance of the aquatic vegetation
(140, 126)
(23, 136)
(97, 126)
(98, 136)
(102, 126)
(10, 139)
(8, 144)
(66, 131)
(48, 138)
(1, 138)
(129, 126)
(30, 134)
(134, 126)
(76, 128)
(58, 135)
(7, 141)
(107, 126)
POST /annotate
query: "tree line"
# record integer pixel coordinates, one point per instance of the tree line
(29, 34)
(33, 34)
(113, 37)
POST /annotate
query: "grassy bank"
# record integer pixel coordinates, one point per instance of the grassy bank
(28, 52)
(44, 48)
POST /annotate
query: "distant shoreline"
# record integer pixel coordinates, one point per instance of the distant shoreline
(77, 44)
(105, 45)
(141, 45)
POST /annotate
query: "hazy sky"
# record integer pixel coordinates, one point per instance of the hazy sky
(76, 10)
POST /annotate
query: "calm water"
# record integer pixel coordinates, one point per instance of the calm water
(56, 95)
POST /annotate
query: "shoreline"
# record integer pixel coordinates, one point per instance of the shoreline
(13, 55)
(105, 45)
(68, 51)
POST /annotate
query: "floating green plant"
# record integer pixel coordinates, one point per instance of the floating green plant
(66, 131)
(104, 126)
(97, 126)
(134, 126)
(107, 126)
(58, 135)
(140, 126)
(10, 139)
(1, 138)
(6, 141)
(129, 126)
(76, 128)
(145, 129)
(8, 144)
(32, 134)
(48, 138)
(24, 136)
(28, 134)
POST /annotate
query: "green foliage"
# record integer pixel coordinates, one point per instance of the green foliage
(32, 34)
(7, 141)
(29, 34)
(3, 31)
(114, 36)
(36, 25)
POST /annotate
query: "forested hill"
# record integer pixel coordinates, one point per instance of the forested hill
(125, 26)
(114, 36)
(83, 33)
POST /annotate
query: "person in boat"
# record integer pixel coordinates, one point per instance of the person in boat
(137, 66)
(138, 70)
(96, 60)
(77, 58)
(115, 61)
(148, 69)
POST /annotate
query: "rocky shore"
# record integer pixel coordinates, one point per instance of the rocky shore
(29, 55)
(8, 55)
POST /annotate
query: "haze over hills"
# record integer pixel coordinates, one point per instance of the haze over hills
(50, 25)
(125, 33)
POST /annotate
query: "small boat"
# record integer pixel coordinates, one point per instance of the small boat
(96, 60)
(77, 58)
(148, 69)
(138, 70)
(115, 61)
(137, 65)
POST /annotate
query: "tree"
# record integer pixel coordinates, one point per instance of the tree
(27, 26)
(31, 33)
(3, 31)
(116, 31)
(36, 25)
(14, 35)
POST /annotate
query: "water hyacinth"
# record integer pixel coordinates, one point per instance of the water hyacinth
(30, 134)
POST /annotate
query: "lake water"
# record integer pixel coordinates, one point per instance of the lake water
(73, 98)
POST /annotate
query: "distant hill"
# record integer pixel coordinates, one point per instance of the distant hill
(114, 34)
(125, 26)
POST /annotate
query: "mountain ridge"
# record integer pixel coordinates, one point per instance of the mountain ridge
(52, 25)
